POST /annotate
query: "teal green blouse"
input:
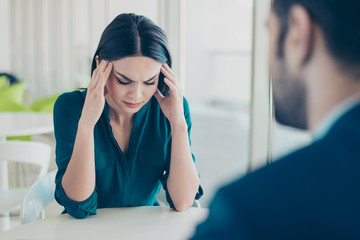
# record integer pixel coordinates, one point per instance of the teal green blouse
(131, 179)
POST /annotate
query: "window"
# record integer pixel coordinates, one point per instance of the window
(218, 81)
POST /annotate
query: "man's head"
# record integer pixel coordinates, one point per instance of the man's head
(296, 27)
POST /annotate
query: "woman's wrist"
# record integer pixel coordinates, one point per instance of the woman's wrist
(179, 125)
(84, 124)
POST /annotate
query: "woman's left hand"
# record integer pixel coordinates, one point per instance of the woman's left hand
(172, 105)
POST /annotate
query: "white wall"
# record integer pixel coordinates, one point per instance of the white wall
(219, 35)
(49, 44)
(4, 36)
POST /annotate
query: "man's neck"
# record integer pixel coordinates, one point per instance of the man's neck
(328, 91)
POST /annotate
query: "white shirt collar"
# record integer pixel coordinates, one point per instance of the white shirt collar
(335, 114)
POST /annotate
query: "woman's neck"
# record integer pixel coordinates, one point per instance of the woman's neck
(117, 116)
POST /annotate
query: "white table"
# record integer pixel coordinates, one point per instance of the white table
(114, 223)
(25, 123)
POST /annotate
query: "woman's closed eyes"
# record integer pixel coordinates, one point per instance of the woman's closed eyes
(128, 82)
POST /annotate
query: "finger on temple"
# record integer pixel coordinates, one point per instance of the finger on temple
(169, 69)
(171, 85)
(158, 95)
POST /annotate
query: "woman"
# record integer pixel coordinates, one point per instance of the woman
(129, 131)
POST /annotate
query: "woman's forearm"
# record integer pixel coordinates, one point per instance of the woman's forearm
(183, 180)
(79, 179)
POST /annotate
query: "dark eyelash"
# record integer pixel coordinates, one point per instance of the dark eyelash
(152, 83)
(125, 83)
(121, 82)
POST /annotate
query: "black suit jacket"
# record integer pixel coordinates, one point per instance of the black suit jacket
(313, 193)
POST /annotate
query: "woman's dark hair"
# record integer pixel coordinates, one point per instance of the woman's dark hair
(339, 22)
(134, 35)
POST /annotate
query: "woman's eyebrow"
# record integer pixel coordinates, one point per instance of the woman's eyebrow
(152, 77)
(125, 77)
(128, 79)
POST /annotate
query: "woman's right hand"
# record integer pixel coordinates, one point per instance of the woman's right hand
(95, 97)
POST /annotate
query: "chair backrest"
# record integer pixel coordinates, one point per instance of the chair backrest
(27, 152)
(40, 194)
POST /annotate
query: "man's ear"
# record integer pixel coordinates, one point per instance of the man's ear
(299, 40)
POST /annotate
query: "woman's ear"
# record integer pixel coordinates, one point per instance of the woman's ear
(97, 60)
(105, 90)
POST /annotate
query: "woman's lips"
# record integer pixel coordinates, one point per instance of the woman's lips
(132, 105)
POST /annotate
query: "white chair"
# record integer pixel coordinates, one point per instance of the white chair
(161, 198)
(22, 152)
(40, 194)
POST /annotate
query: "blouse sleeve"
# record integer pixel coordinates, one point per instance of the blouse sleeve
(67, 112)
(166, 175)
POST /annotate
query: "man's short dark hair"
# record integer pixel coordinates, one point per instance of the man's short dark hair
(340, 24)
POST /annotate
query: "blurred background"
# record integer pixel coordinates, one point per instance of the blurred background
(219, 51)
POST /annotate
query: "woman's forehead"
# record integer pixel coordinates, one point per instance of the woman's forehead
(136, 61)
(137, 66)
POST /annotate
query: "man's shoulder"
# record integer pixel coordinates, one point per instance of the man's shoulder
(296, 192)
(289, 173)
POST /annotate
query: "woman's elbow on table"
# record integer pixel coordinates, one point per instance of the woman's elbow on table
(78, 213)
(79, 210)
(182, 206)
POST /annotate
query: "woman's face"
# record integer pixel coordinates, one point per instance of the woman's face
(132, 83)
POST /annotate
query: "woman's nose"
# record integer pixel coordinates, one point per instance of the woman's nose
(135, 91)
